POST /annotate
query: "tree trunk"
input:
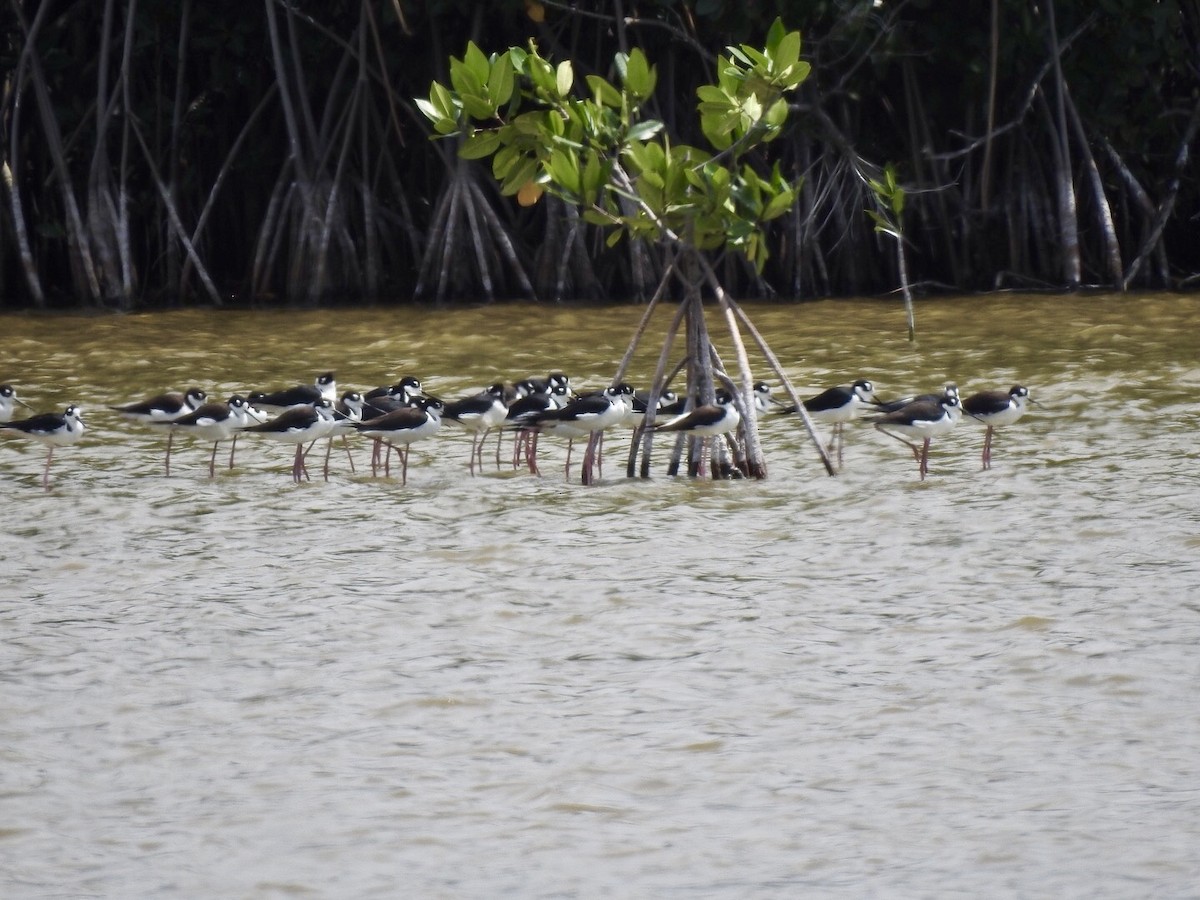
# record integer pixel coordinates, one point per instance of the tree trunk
(1068, 222)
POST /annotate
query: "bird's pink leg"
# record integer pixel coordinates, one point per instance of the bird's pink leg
(587, 474)
(376, 447)
(531, 442)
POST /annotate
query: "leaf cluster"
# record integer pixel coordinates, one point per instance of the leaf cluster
(889, 199)
(593, 144)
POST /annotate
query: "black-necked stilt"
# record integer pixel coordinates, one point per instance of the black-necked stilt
(888, 406)
(218, 422)
(668, 404)
(161, 410)
(533, 385)
(404, 426)
(51, 429)
(8, 402)
(521, 415)
(408, 387)
(671, 404)
(839, 404)
(346, 412)
(635, 408)
(586, 416)
(921, 420)
(298, 425)
(706, 421)
(836, 406)
(996, 408)
(400, 395)
(323, 388)
(525, 408)
(762, 396)
(478, 414)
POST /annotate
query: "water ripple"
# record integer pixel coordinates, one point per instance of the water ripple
(857, 686)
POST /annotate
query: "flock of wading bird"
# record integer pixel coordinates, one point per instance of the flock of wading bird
(398, 415)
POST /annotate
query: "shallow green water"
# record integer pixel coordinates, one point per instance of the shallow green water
(857, 686)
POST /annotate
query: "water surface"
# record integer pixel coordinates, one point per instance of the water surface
(979, 685)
